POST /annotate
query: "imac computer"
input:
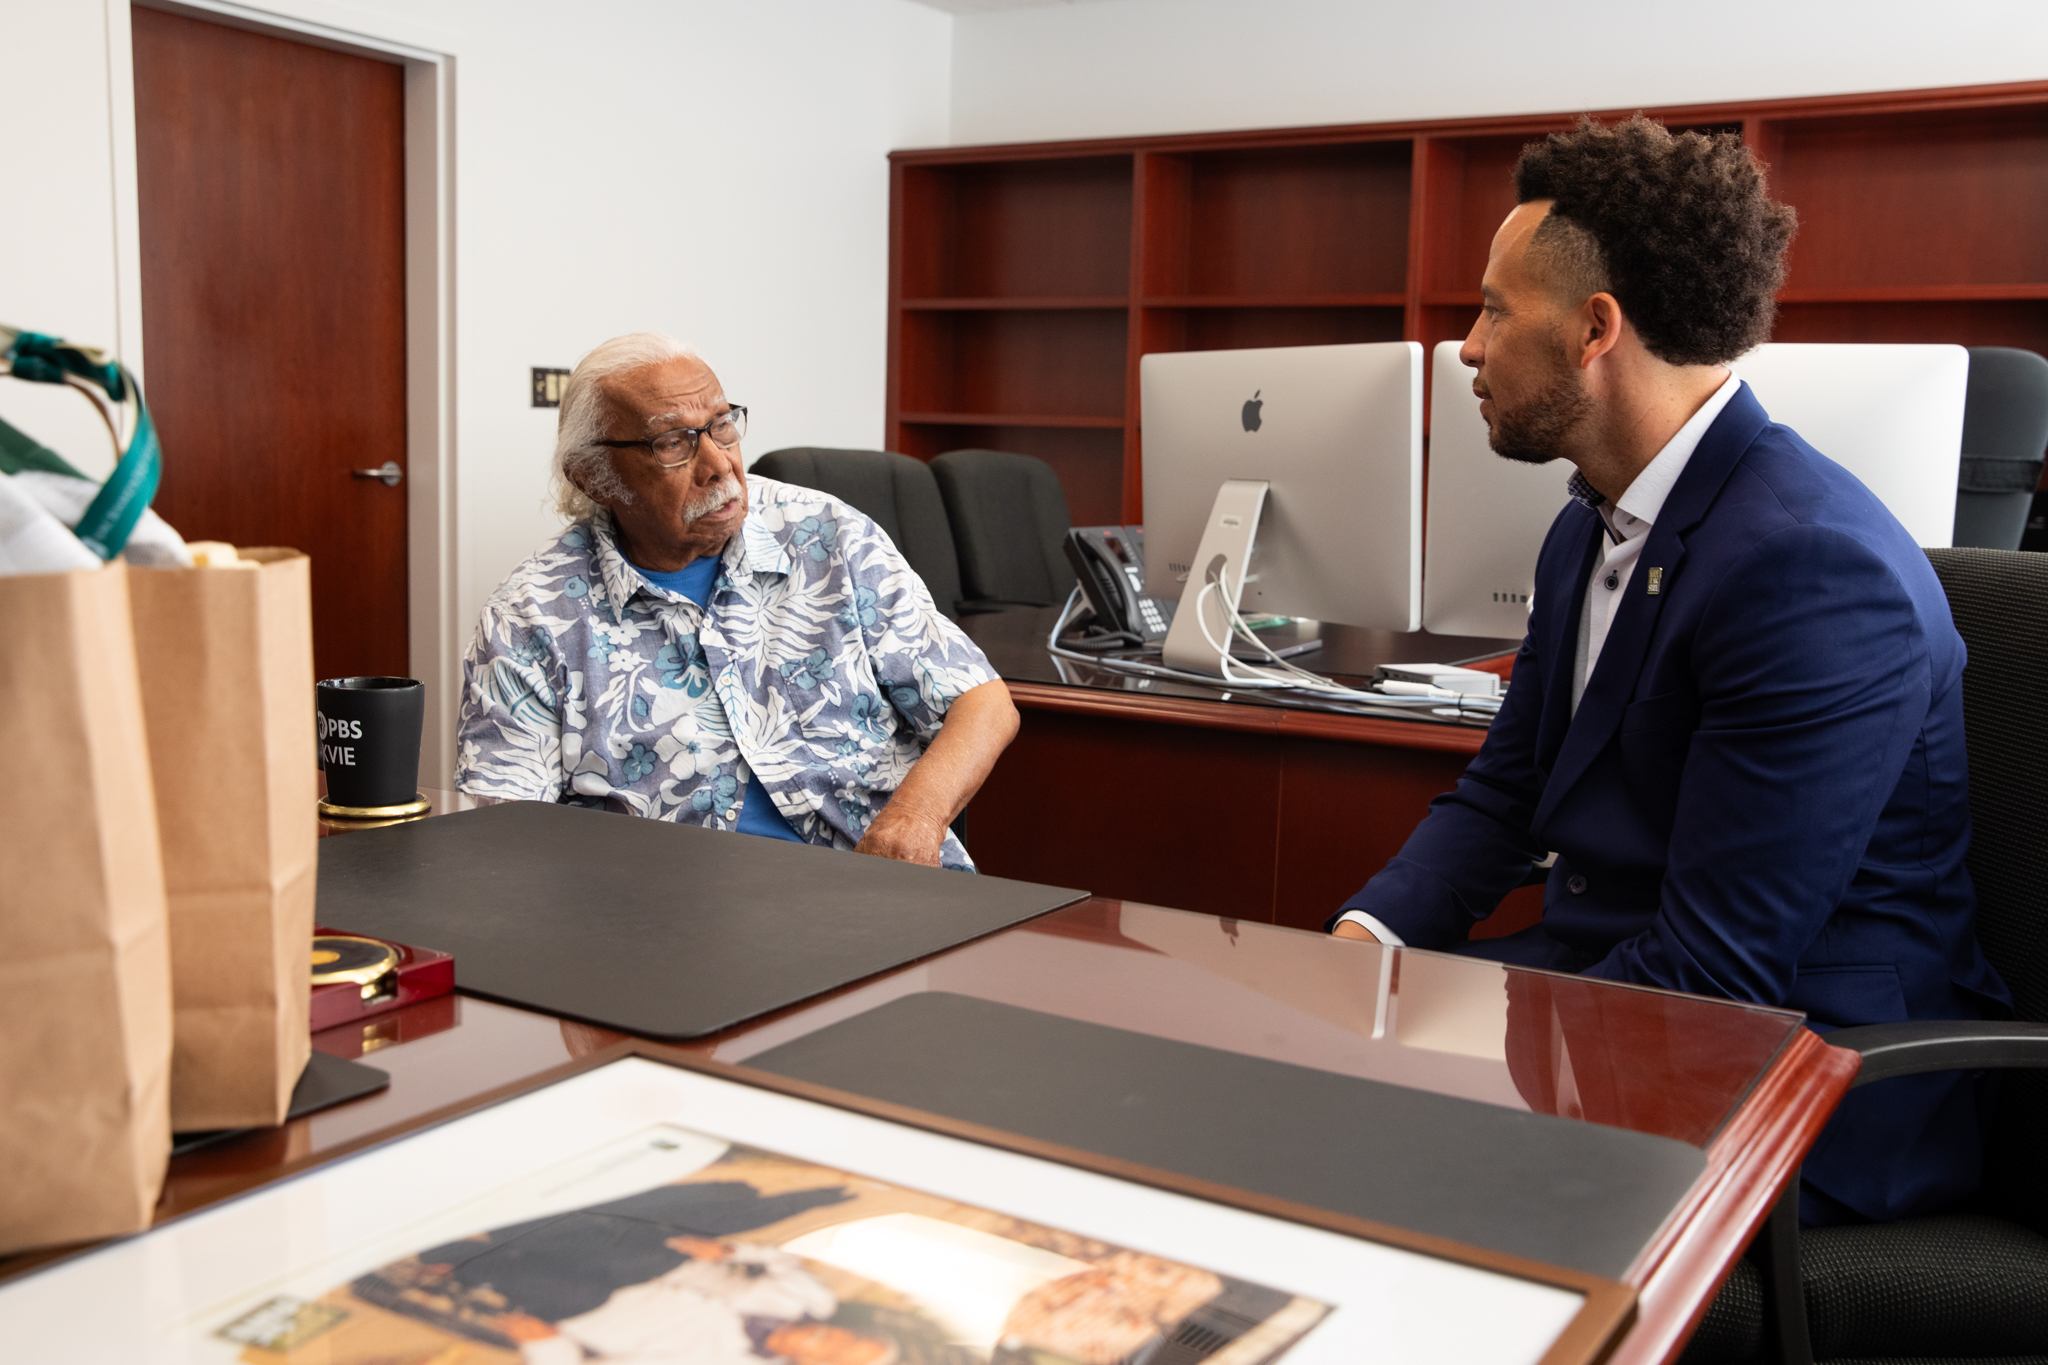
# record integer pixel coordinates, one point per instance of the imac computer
(1487, 515)
(1890, 415)
(1285, 481)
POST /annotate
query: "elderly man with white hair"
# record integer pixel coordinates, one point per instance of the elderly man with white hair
(711, 649)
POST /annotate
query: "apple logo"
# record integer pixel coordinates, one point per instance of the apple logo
(1251, 410)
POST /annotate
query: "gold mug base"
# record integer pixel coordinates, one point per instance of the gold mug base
(417, 806)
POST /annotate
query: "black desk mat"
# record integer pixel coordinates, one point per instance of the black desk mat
(659, 930)
(1568, 1193)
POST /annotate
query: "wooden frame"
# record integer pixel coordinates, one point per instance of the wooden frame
(1607, 1307)
(436, 630)
(1016, 270)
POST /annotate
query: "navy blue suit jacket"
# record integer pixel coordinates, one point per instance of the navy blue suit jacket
(1762, 796)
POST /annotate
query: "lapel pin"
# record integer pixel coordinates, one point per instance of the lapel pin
(1656, 581)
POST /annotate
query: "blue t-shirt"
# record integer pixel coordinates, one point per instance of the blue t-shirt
(758, 814)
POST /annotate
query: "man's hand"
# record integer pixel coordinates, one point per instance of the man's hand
(1351, 928)
(912, 827)
(906, 834)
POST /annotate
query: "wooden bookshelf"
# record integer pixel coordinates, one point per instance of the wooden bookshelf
(1025, 281)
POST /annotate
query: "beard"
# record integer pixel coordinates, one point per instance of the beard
(1535, 430)
(711, 499)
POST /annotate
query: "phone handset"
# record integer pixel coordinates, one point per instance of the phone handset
(1110, 562)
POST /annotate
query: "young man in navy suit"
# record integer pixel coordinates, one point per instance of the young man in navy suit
(1737, 717)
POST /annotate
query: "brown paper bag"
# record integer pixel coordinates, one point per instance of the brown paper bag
(226, 657)
(85, 991)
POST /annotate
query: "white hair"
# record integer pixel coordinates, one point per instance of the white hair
(584, 417)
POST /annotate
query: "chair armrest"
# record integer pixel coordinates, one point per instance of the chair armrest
(1890, 1050)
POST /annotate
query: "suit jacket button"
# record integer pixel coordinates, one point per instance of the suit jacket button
(1577, 884)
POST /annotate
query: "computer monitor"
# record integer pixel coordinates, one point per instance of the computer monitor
(1315, 449)
(1892, 415)
(1487, 516)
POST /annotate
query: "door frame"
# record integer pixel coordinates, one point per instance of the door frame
(428, 57)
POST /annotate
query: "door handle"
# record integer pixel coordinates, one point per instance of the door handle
(389, 472)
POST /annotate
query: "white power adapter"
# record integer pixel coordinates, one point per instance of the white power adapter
(1468, 682)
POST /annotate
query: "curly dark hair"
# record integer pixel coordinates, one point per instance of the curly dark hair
(1678, 227)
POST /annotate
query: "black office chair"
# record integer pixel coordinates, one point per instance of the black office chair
(1969, 1286)
(2005, 433)
(897, 491)
(1009, 519)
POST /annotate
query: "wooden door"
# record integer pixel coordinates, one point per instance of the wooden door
(271, 179)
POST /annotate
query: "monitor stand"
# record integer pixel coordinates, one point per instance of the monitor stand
(1222, 558)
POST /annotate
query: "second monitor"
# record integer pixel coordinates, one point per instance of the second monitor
(1892, 415)
(1318, 449)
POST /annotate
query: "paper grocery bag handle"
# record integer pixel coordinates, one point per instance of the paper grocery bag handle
(110, 518)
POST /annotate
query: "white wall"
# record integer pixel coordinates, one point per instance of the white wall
(67, 247)
(712, 168)
(1120, 67)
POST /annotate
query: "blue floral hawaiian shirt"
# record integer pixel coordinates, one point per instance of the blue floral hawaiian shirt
(821, 666)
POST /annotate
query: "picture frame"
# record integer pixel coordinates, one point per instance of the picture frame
(1514, 1309)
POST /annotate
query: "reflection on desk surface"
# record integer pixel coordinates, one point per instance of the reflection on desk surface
(1671, 1065)
(1015, 644)
(1645, 1060)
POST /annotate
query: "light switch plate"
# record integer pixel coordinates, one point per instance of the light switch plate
(547, 387)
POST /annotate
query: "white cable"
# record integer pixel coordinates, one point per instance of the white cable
(1315, 683)
(1132, 666)
(1224, 658)
(1332, 694)
(1140, 668)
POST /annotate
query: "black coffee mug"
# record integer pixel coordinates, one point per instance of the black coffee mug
(370, 740)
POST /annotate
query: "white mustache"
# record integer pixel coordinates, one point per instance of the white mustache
(711, 499)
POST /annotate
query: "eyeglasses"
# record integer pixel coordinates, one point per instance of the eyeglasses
(675, 448)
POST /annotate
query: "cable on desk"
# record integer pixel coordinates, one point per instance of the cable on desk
(1243, 677)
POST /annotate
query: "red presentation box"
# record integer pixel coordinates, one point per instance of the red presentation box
(421, 974)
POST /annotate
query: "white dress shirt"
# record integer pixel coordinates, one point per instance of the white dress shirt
(1628, 524)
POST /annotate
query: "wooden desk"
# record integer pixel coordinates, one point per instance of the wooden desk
(1748, 1085)
(1250, 807)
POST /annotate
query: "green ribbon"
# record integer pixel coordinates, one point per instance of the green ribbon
(111, 516)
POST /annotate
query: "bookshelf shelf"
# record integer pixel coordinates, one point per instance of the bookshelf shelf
(1276, 301)
(1051, 303)
(1010, 419)
(1916, 293)
(1026, 281)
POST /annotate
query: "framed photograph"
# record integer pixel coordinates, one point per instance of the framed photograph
(651, 1207)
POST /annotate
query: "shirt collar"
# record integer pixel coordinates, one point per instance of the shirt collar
(1644, 498)
(621, 580)
(755, 550)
